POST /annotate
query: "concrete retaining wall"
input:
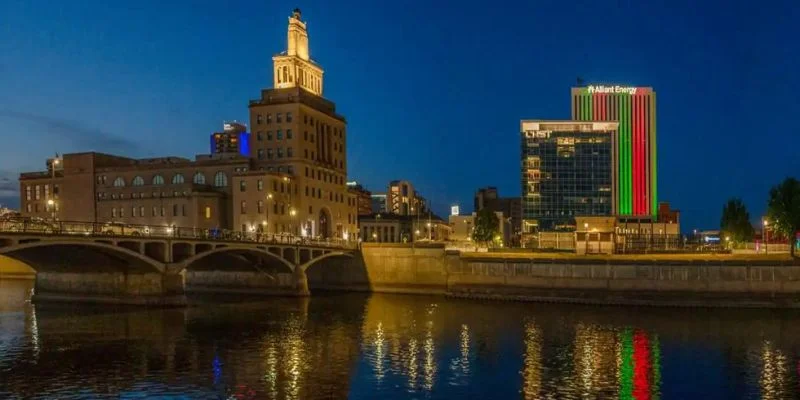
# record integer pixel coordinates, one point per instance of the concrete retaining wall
(663, 282)
(111, 283)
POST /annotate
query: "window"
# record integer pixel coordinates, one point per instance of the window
(27, 193)
(310, 210)
(278, 135)
(260, 207)
(114, 212)
(259, 120)
(274, 208)
(269, 118)
(38, 192)
(138, 181)
(243, 209)
(288, 134)
(242, 185)
(199, 179)
(305, 135)
(269, 135)
(288, 117)
(260, 154)
(290, 170)
(208, 212)
(133, 211)
(260, 185)
(155, 211)
(158, 180)
(177, 179)
(289, 152)
(280, 152)
(28, 207)
(36, 208)
(220, 179)
(174, 210)
(121, 212)
(183, 210)
(141, 211)
(306, 191)
(269, 154)
(278, 117)
(260, 135)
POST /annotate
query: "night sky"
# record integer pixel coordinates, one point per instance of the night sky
(433, 93)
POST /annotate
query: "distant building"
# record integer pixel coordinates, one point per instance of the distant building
(462, 227)
(378, 202)
(402, 199)
(566, 172)
(510, 207)
(394, 228)
(363, 198)
(233, 139)
(667, 214)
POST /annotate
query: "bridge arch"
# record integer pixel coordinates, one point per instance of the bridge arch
(325, 256)
(255, 251)
(127, 260)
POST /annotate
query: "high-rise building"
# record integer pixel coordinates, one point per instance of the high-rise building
(233, 139)
(363, 198)
(298, 132)
(566, 172)
(378, 201)
(635, 186)
(403, 199)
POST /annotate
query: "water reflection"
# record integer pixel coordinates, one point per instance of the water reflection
(394, 347)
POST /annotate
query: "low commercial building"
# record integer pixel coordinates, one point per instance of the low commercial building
(394, 228)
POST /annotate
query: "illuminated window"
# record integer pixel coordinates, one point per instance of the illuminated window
(119, 182)
(260, 207)
(28, 193)
(141, 211)
(269, 118)
(208, 212)
(260, 185)
(259, 119)
(114, 212)
(177, 179)
(243, 207)
(278, 117)
(278, 135)
(260, 154)
(220, 179)
(199, 179)
(28, 208)
(38, 191)
(242, 185)
(138, 181)
(158, 180)
(133, 211)
(288, 117)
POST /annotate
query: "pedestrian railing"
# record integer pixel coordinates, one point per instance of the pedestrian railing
(100, 229)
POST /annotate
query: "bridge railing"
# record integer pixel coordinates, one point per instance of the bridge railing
(99, 229)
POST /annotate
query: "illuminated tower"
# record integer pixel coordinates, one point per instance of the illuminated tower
(294, 66)
(635, 186)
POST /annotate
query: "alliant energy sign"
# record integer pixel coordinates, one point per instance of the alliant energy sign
(615, 89)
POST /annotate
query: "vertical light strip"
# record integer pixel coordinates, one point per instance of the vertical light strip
(637, 154)
(626, 101)
(626, 361)
(653, 160)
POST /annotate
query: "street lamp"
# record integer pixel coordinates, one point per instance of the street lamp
(292, 213)
(728, 242)
(374, 237)
(765, 235)
(51, 204)
(586, 237)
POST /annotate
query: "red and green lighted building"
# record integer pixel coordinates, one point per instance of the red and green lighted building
(635, 186)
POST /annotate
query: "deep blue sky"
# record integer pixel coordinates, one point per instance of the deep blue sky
(433, 93)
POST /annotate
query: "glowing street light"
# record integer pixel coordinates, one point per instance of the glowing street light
(765, 235)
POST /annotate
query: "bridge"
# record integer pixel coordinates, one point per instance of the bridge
(127, 264)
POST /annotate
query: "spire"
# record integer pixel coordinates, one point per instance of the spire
(294, 67)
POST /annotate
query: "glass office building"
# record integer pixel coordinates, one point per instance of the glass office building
(567, 171)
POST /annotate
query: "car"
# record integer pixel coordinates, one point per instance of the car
(120, 229)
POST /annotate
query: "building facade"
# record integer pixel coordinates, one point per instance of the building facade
(566, 172)
(510, 207)
(378, 202)
(291, 180)
(403, 199)
(363, 198)
(394, 228)
(233, 139)
(299, 133)
(635, 167)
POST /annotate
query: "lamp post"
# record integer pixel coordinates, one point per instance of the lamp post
(728, 242)
(292, 213)
(266, 221)
(586, 237)
(51, 204)
(765, 235)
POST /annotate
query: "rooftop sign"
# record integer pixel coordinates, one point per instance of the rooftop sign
(615, 89)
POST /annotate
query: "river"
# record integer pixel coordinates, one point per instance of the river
(392, 347)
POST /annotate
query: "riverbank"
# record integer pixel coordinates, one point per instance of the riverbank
(685, 280)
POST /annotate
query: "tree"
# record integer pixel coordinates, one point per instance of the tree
(783, 210)
(487, 225)
(735, 222)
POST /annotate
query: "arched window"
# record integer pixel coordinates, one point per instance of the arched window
(177, 179)
(138, 181)
(220, 179)
(158, 180)
(199, 179)
(119, 182)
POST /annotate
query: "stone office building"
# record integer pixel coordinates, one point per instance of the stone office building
(292, 182)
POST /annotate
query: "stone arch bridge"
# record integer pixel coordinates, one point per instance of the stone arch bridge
(130, 269)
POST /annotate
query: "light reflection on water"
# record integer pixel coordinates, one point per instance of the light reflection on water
(393, 347)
